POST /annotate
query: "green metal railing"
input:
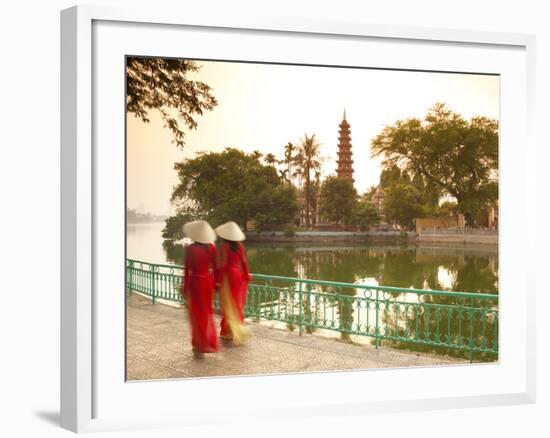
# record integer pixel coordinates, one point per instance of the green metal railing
(456, 323)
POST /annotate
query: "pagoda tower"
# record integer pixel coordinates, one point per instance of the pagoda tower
(345, 162)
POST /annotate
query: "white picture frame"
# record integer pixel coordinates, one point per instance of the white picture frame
(87, 355)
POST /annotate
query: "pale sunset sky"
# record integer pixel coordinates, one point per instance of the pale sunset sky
(263, 107)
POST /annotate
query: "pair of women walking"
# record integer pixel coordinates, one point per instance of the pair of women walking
(203, 271)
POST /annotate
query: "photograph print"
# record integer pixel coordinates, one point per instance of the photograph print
(286, 218)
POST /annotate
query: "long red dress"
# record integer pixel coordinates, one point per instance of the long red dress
(198, 289)
(234, 276)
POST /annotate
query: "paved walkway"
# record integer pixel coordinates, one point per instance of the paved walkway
(159, 347)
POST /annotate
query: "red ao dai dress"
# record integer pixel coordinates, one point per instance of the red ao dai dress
(234, 276)
(198, 290)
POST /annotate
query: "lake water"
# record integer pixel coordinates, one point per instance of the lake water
(468, 268)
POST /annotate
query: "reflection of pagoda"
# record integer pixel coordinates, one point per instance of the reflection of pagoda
(345, 162)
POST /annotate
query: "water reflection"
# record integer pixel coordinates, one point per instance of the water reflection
(398, 266)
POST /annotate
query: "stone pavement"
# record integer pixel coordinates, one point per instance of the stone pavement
(159, 347)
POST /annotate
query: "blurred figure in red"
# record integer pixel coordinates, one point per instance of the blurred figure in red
(233, 277)
(198, 285)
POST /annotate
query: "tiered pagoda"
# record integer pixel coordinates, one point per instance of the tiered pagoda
(345, 161)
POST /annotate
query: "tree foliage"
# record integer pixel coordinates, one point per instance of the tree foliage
(370, 194)
(271, 159)
(288, 160)
(392, 175)
(448, 208)
(402, 204)
(162, 84)
(337, 199)
(309, 167)
(279, 210)
(174, 226)
(457, 156)
(365, 215)
(233, 185)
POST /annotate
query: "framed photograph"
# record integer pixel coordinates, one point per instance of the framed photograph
(309, 218)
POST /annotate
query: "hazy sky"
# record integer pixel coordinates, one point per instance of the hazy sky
(264, 107)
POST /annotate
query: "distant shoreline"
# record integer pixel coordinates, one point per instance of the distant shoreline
(394, 236)
(329, 236)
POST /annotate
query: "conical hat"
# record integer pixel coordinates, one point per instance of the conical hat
(200, 231)
(230, 231)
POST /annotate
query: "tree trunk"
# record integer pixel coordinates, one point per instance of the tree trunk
(289, 175)
(307, 199)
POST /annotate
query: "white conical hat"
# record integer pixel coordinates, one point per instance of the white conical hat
(200, 231)
(230, 231)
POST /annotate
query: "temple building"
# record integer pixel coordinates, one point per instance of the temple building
(344, 170)
(345, 161)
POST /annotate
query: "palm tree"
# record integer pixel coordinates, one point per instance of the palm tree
(283, 174)
(289, 157)
(270, 159)
(307, 160)
(256, 154)
(298, 177)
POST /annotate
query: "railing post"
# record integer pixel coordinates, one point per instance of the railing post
(377, 327)
(300, 322)
(270, 289)
(308, 309)
(471, 343)
(153, 284)
(130, 276)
